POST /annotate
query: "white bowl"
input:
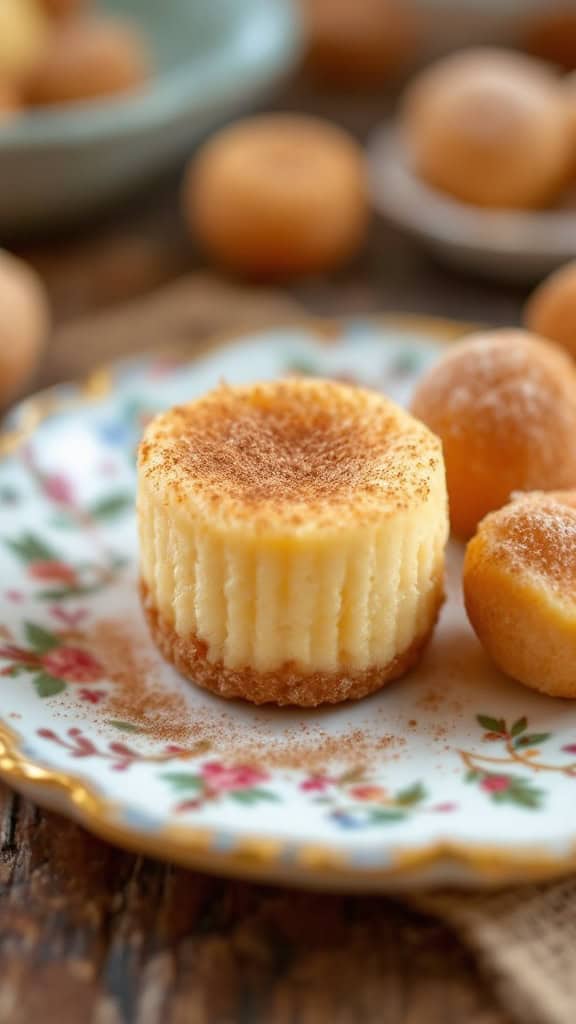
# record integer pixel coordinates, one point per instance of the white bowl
(513, 245)
(212, 59)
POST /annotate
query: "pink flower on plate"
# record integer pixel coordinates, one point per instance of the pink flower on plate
(445, 808)
(315, 784)
(188, 805)
(57, 572)
(13, 653)
(73, 664)
(58, 488)
(222, 778)
(72, 619)
(495, 783)
(47, 734)
(91, 696)
(16, 596)
(367, 792)
(570, 748)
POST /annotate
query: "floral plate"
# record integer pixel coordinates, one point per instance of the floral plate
(454, 774)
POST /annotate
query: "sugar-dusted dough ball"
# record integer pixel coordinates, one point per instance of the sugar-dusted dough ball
(87, 58)
(62, 8)
(491, 128)
(520, 590)
(278, 194)
(360, 41)
(504, 404)
(24, 33)
(23, 324)
(551, 309)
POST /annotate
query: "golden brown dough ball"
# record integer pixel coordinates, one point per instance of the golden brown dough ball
(278, 194)
(88, 58)
(62, 8)
(551, 309)
(24, 33)
(504, 404)
(491, 128)
(364, 42)
(23, 324)
(520, 590)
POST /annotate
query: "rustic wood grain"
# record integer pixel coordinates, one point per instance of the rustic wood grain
(91, 934)
(88, 933)
(186, 314)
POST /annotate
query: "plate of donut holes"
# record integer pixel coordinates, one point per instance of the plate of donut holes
(480, 161)
(365, 675)
(100, 96)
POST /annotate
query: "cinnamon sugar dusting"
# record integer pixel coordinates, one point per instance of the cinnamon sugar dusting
(430, 700)
(137, 697)
(291, 442)
(311, 749)
(162, 713)
(537, 532)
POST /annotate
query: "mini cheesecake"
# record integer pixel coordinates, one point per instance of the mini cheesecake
(292, 539)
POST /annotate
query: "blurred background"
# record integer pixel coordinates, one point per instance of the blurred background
(170, 170)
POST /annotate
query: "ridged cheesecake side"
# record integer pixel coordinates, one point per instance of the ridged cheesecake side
(312, 599)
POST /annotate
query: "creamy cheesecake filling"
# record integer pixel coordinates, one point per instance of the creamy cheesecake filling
(253, 605)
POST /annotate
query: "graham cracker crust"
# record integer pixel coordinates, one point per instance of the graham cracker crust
(286, 685)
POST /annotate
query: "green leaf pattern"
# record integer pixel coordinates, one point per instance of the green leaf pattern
(48, 686)
(40, 639)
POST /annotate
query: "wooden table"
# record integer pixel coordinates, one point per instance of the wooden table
(88, 933)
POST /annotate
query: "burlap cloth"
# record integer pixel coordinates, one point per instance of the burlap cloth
(524, 939)
(525, 943)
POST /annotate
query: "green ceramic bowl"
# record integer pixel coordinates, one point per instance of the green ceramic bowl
(213, 58)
